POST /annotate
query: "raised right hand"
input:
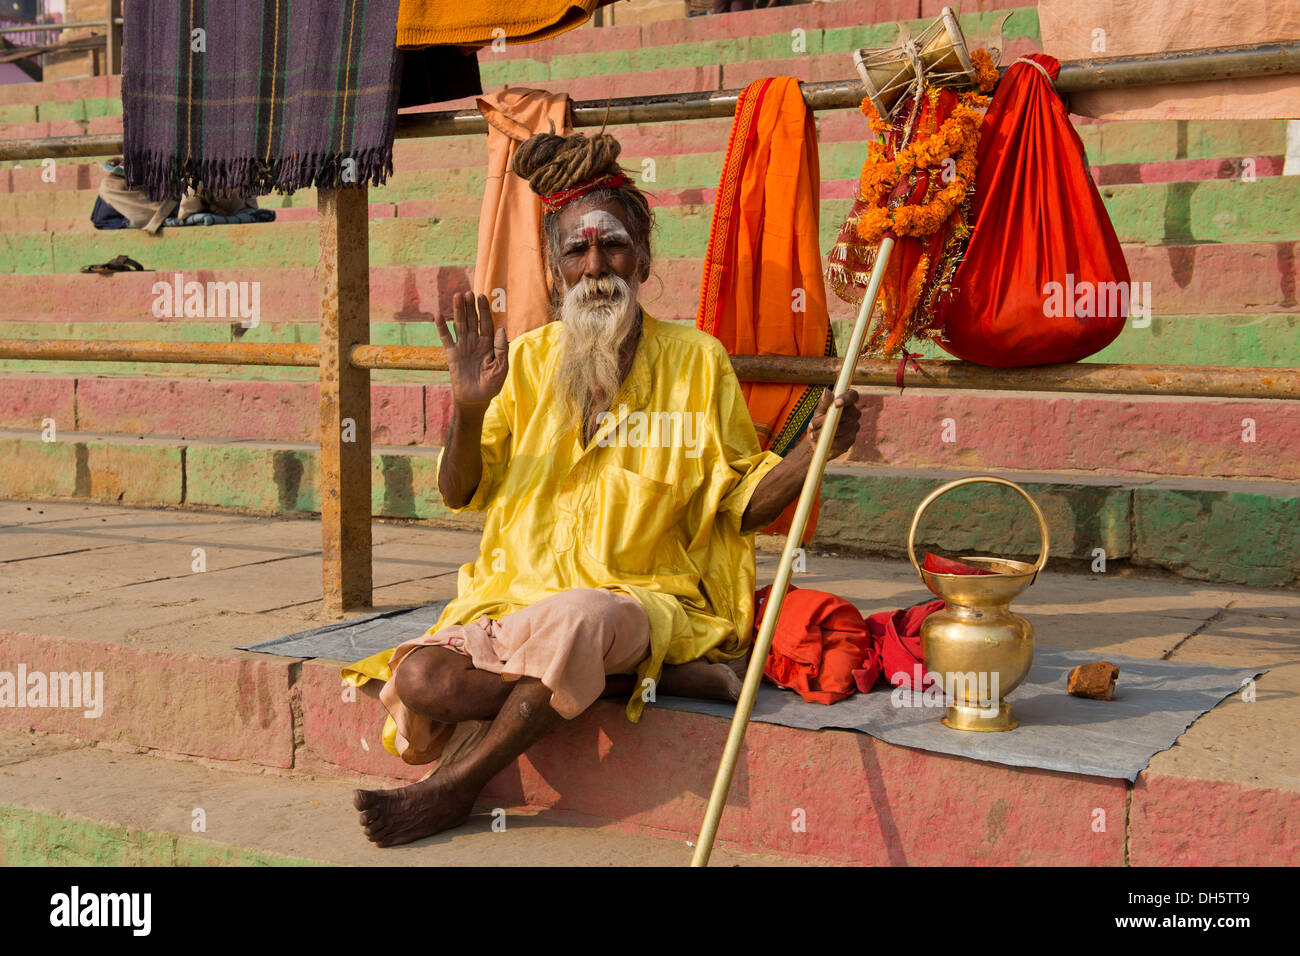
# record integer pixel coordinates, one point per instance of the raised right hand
(477, 358)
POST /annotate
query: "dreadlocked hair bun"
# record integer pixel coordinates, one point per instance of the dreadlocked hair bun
(551, 163)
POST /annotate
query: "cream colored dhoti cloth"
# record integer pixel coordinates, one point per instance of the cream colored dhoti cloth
(568, 641)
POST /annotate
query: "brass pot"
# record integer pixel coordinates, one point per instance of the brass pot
(981, 649)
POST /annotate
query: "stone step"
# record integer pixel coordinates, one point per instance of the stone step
(1245, 283)
(708, 34)
(1228, 530)
(1154, 214)
(677, 181)
(1128, 151)
(69, 802)
(640, 48)
(1092, 434)
(111, 590)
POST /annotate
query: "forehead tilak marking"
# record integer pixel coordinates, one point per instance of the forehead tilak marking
(597, 224)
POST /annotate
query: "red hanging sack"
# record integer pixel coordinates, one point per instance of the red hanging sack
(1044, 278)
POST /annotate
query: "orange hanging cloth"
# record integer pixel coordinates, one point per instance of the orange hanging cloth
(511, 260)
(762, 292)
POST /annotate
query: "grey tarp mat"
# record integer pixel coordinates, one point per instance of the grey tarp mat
(357, 638)
(1155, 701)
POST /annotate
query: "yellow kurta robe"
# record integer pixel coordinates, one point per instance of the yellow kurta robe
(651, 507)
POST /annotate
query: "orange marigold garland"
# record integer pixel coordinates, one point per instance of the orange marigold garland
(986, 71)
(956, 139)
(935, 170)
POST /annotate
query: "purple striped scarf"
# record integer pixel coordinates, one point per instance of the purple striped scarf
(254, 95)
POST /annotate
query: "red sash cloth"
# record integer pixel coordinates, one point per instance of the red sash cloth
(948, 566)
(896, 645)
(1038, 220)
(762, 292)
(819, 641)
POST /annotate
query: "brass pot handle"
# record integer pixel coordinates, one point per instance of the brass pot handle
(973, 479)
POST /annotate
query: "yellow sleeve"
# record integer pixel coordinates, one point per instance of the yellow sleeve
(745, 459)
(494, 447)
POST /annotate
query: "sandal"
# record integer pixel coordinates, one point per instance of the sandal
(120, 264)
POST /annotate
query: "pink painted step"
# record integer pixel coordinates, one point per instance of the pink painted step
(1227, 279)
(1092, 434)
(1098, 435)
(872, 802)
(279, 411)
(862, 801)
(223, 708)
(60, 91)
(810, 17)
(1186, 170)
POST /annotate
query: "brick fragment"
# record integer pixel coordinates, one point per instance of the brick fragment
(1095, 680)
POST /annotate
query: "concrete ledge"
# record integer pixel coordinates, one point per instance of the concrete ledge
(862, 801)
(1179, 821)
(163, 639)
(226, 709)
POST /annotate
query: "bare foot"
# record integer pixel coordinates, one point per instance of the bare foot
(391, 817)
(704, 680)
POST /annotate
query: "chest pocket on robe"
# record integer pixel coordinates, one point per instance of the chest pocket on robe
(632, 525)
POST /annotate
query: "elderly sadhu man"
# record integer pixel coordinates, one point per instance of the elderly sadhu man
(622, 483)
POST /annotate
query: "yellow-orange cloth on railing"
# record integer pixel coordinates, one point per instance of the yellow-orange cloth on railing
(510, 254)
(423, 23)
(762, 292)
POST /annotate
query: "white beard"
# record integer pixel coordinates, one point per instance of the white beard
(598, 316)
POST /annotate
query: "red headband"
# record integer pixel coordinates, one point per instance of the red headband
(557, 200)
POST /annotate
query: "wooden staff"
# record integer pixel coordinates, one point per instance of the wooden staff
(813, 480)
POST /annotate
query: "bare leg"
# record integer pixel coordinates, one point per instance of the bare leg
(445, 800)
(700, 679)
(444, 685)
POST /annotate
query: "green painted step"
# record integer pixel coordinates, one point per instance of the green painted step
(1262, 341)
(1242, 532)
(1266, 210)
(39, 838)
(1215, 211)
(1145, 141)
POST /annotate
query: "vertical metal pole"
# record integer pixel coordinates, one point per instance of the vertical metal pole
(113, 39)
(343, 277)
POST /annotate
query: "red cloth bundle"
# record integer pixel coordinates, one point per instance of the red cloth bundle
(819, 640)
(825, 651)
(896, 647)
(1044, 278)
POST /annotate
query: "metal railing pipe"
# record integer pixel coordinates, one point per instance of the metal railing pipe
(1082, 377)
(303, 355)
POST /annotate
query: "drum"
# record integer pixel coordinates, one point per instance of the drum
(938, 54)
